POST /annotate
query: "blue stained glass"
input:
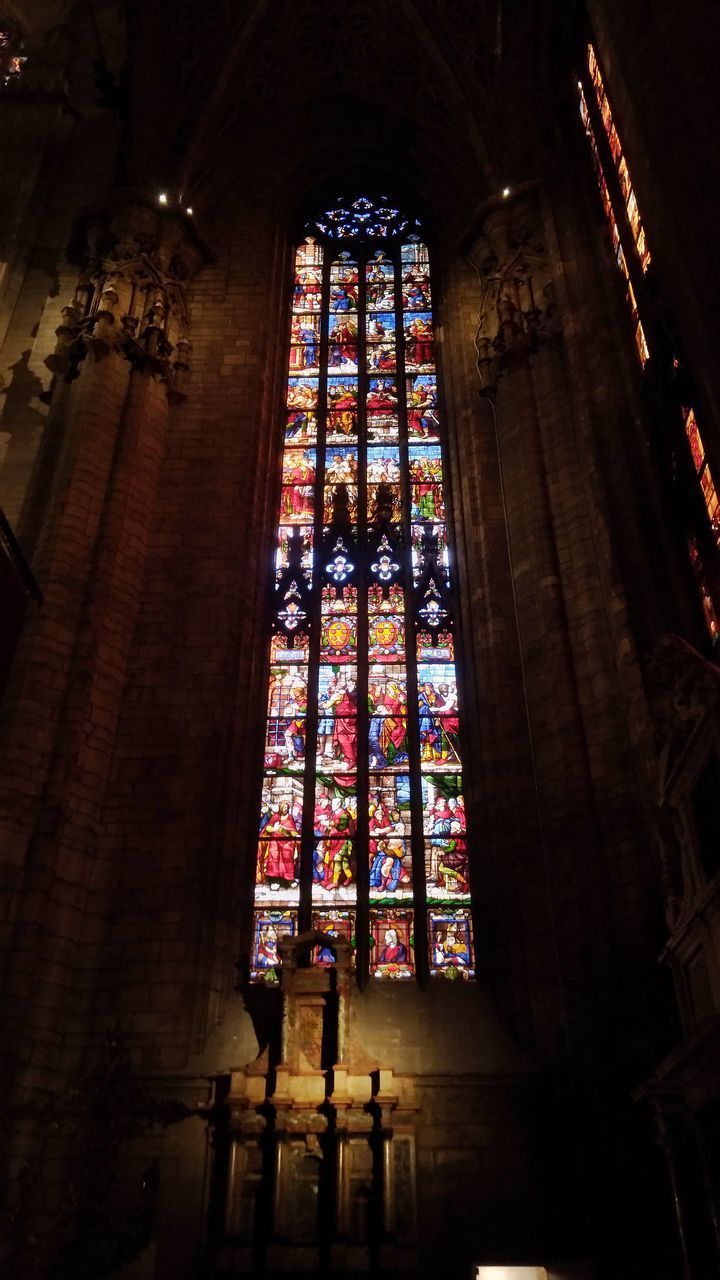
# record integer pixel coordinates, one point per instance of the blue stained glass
(391, 862)
(360, 218)
(382, 396)
(383, 465)
(305, 340)
(341, 465)
(269, 928)
(344, 269)
(301, 428)
(335, 923)
(425, 461)
(380, 327)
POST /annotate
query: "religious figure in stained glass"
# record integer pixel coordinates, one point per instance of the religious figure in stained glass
(362, 829)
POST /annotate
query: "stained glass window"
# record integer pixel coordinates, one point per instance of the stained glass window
(618, 157)
(620, 206)
(640, 340)
(712, 506)
(363, 829)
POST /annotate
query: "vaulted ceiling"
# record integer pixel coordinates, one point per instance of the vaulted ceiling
(438, 95)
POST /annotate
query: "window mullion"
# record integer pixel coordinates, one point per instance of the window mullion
(362, 874)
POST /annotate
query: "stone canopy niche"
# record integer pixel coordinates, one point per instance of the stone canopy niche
(314, 1155)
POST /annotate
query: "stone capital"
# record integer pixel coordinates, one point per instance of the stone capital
(136, 259)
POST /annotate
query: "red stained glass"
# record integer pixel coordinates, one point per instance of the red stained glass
(279, 855)
(392, 943)
(693, 434)
(419, 343)
(618, 157)
(638, 231)
(339, 599)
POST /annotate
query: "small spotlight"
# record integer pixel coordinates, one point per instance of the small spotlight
(506, 192)
(580, 84)
(189, 211)
(162, 198)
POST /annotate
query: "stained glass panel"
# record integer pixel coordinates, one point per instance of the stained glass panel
(362, 617)
(336, 924)
(391, 943)
(339, 599)
(450, 941)
(269, 927)
(343, 345)
(305, 343)
(302, 393)
(301, 428)
(423, 421)
(419, 342)
(278, 859)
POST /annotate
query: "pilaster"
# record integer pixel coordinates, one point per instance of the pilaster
(120, 361)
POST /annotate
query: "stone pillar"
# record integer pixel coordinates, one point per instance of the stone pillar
(122, 335)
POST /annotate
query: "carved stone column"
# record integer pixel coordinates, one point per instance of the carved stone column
(121, 354)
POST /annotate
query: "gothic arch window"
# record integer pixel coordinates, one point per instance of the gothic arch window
(616, 189)
(633, 257)
(362, 829)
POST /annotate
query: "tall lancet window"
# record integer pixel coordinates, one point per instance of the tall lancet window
(633, 258)
(362, 828)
